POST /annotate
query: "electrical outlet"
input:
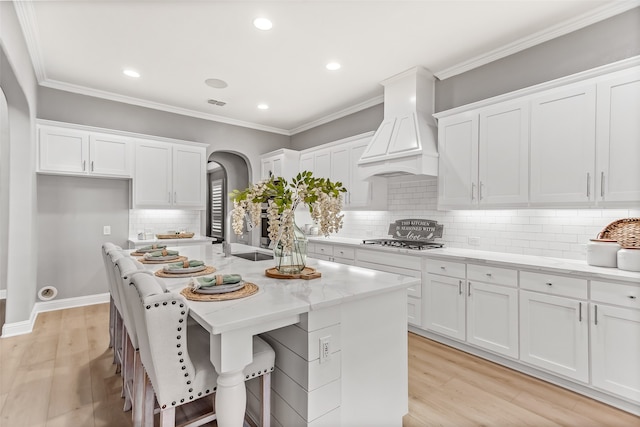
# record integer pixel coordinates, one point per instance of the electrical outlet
(106, 230)
(325, 348)
(474, 241)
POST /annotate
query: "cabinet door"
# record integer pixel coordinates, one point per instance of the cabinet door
(492, 318)
(306, 162)
(322, 164)
(503, 155)
(110, 155)
(615, 349)
(63, 150)
(618, 139)
(444, 306)
(359, 189)
(189, 177)
(458, 161)
(340, 170)
(266, 168)
(554, 334)
(563, 146)
(152, 176)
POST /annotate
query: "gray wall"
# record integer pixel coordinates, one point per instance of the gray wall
(18, 83)
(353, 124)
(71, 214)
(599, 44)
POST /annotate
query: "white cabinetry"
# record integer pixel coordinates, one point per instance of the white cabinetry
(615, 338)
(279, 163)
(331, 252)
(169, 176)
(484, 157)
(399, 264)
(338, 161)
(554, 331)
(563, 145)
(617, 138)
(492, 309)
(444, 302)
(79, 152)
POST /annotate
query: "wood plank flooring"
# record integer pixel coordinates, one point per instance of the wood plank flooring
(62, 375)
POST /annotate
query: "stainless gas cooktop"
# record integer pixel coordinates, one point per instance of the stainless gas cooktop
(402, 243)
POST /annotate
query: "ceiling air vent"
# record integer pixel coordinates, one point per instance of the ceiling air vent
(216, 102)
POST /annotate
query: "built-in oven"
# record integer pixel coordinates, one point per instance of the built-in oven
(264, 226)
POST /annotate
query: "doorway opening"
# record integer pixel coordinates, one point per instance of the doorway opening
(226, 171)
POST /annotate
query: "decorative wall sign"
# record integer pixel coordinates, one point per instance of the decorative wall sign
(415, 229)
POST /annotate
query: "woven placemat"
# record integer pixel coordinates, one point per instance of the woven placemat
(151, 261)
(208, 270)
(307, 273)
(247, 290)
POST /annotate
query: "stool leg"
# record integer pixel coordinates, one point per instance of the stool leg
(265, 382)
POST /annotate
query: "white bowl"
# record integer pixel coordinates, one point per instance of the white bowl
(629, 259)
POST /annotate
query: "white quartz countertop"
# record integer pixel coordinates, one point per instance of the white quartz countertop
(529, 262)
(196, 238)
(280, 297)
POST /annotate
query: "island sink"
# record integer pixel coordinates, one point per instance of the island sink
(254, 256)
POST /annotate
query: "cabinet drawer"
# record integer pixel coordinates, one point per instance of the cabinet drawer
(414, 311)
(386, 258)
(554, 285)
(615, 293)
(446, 268)
(323, 249)
(344, 252)
(495, 275)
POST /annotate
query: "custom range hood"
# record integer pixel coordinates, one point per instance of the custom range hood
(405, 142)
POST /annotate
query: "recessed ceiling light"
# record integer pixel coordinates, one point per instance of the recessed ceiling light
(333, 66)
(262, 24)
(263, 106)
(131, 73)
(216, 83)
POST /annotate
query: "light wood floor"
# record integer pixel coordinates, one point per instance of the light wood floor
(62, 375)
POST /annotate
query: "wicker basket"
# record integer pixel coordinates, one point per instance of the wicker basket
(175, 236)
(625, 231)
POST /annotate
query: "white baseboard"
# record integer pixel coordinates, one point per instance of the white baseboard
(3, 294)
(26, 326)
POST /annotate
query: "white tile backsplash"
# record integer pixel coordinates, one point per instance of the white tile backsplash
(160, 221)
(561, 233)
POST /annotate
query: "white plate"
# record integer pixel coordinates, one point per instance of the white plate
(220, 289)
(163, 258)
(166, 269)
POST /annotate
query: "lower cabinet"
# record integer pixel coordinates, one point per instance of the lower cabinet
(615, 339)
(444, 306)
(554, 329)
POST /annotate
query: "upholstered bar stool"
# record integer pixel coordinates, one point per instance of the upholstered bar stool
(112, 255)
(176, 358)
(106, 247)
(132, 372)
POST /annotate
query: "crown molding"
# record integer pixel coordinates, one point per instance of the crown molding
(83, 90)
(566, 27)
(27, 19)
(338, 114)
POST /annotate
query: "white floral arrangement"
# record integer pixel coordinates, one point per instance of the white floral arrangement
(323, 198)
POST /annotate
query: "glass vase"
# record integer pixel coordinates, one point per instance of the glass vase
(292, 261)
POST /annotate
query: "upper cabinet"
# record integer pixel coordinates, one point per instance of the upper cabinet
(618, 139)
(563, 145)
(70, 151)
(484, 157)
(338, 161)
(277, 163)
(572, 145)
(169, 176)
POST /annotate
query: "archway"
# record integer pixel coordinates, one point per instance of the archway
(234, 171)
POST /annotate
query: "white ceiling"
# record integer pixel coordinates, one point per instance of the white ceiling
(83, 46)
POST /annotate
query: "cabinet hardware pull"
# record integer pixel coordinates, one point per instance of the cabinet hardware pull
(602, 184)
(473, 190)
(91, 165)
(488, 274)
(459, 287)
(588, 185)
(595, 312)
(84, 165)
(169, 196)
(632, 296)
(469, 289)
(548, 283)
(579, 312)
(175, 197)
(442, 267)
(480, 191)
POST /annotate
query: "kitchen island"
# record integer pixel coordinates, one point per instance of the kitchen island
(340, 341)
